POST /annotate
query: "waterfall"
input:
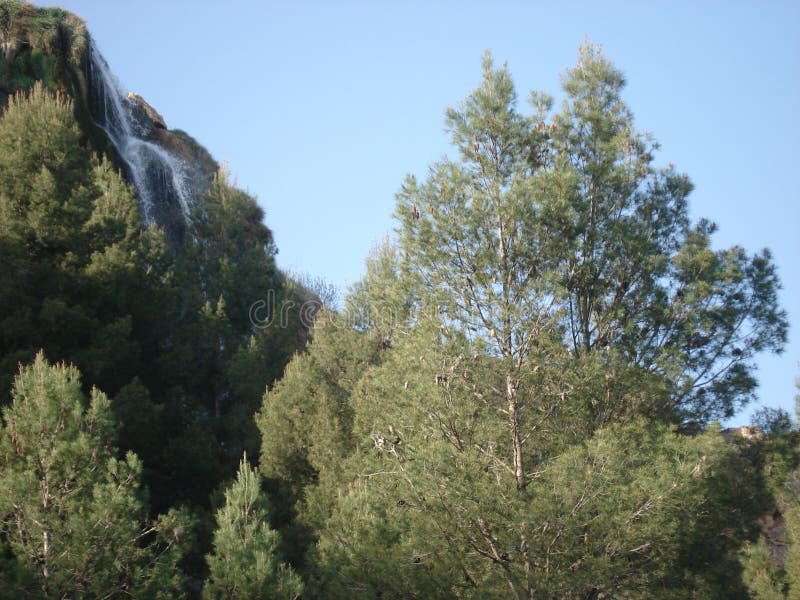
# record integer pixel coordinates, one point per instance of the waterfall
(162, 179)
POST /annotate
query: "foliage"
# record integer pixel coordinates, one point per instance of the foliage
(244, 563)
(567, 226)
(772, 421)
(77, 259)
(73, 515)
(305, 424)
(215, 357)
(427, 503)
(166, 331)
(496, 412)
(772, 562)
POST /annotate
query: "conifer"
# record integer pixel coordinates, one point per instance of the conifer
(244, 563)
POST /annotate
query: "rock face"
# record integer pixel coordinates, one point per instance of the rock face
(10, 39)
(773, 528)
(145, 112)
(9, 47)
(154, 128)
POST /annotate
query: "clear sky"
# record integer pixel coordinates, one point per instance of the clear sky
(320, 108)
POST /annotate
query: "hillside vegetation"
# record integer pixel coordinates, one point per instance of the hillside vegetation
(520, 399)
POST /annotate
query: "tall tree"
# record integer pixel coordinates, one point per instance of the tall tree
(563, 234)
(427, 502)
(306, 422)
(637, 275)
(564, 315)
(80, 273)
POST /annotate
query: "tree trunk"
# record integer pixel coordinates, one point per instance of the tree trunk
(516, 440)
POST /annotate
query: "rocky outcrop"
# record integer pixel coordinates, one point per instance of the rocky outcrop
(748, 433)
(153, 127)
(776, 538)
(198, 163)
(145, 112)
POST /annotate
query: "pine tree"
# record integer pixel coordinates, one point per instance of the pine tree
(565, 228)
(563, 315)
(306, 422)
(81, 274)
(73, 515)
(244, 564)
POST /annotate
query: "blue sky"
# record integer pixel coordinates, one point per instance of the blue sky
(320, 108)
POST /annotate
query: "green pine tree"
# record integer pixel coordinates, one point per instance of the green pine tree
(244, 564)
(427, 502)
(74, 517)
(562, 316)
(564, 227)
(306, 424)
(81, 274)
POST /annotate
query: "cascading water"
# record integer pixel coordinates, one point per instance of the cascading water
(162, 180)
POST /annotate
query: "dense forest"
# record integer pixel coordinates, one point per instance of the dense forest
(520, 399)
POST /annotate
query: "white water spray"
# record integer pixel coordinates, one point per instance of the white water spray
(160, 177)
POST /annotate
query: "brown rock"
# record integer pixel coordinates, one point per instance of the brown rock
(151, 113)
